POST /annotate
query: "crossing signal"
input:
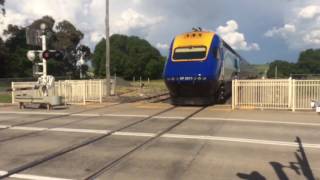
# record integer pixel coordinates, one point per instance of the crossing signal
(47, 54)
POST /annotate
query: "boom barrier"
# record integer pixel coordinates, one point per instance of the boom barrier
(279, 94)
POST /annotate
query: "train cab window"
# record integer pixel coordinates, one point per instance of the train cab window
(190, 53)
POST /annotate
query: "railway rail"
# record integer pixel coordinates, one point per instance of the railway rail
(84, 143)
(155, 97)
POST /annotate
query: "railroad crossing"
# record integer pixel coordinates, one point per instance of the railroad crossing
(143, 140)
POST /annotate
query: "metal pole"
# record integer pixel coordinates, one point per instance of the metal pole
(44, 61)
(107, 50)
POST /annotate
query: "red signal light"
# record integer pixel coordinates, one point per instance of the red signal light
(46, 55)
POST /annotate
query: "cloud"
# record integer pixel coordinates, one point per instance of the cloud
(312, 38)
(309, 12)
(283, 31)
(133, 22)
(301, 29)
(162, 46)
(235, 39)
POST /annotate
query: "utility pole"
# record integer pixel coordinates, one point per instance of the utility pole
(276, 72)
(108, 79)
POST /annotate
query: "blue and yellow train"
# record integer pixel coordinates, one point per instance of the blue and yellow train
(200, 69)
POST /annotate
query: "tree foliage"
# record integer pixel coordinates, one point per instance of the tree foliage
(64, 37)
(130, 57)
(2, 10)
(308, 63)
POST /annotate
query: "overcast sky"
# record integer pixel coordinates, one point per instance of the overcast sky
(261, 30)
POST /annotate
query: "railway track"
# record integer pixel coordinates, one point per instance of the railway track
(106, 166)
(155, 97)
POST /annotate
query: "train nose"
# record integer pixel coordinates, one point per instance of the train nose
(193, 88)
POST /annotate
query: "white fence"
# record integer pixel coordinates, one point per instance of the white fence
(274, 94)
(74, 92)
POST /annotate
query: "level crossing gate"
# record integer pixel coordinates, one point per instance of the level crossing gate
(289, 94)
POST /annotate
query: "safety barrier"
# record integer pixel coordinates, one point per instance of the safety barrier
(275, 94)
(73, 91)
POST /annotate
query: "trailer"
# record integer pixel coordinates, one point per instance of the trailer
(48, 101)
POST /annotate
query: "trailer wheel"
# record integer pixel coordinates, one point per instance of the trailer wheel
(49, 107)
(21, 105)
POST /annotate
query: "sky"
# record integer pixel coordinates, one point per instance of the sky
(260, 30)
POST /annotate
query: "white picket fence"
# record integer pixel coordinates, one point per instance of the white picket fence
(73, 91)
(275, 94)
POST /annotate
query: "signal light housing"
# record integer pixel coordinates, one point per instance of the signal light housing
(57, 55)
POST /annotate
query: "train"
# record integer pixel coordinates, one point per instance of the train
(200, 69)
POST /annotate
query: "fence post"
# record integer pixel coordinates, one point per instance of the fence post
(84, 92)
(100, 90)
(233, 95)
(293, 95)
(12, 93)
(65, 93)
(290, 93)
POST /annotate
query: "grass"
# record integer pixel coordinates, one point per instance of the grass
(261, 68)
(5, 98)
(149, 88)
(4, 86)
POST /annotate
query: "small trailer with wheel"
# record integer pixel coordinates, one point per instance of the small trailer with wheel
(48, 101)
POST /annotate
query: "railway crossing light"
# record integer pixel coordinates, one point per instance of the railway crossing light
(52, 54)
(31, 55)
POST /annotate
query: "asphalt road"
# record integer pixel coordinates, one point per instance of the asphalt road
(215, 143)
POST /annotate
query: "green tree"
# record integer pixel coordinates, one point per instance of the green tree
(130, 56)
(3, 11)
(309, 61)
(4, 60)
(19, 65)
(284, 69)
(64, 37)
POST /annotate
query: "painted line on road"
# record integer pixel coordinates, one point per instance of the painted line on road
(76, 114)
(241, 140)
(136, 134)
(255, 121)
(127, 115)
(169, 117)
(92, 131)
(35, 113)
(4, 126)
(165, 117)
(31, 177)
(176, 136)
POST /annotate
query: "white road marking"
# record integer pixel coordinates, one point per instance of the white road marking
(241, 140)
(169, 117)
(34, 113)
(163, 117)
(87, 115)
(176, 136)
(4, 126)
(31, 177)
(2, 173)
(126, 115)
(92, 131)
(28, 128)
(255, 121)
(136, 134)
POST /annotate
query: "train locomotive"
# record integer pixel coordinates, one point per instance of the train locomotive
(200, 69)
